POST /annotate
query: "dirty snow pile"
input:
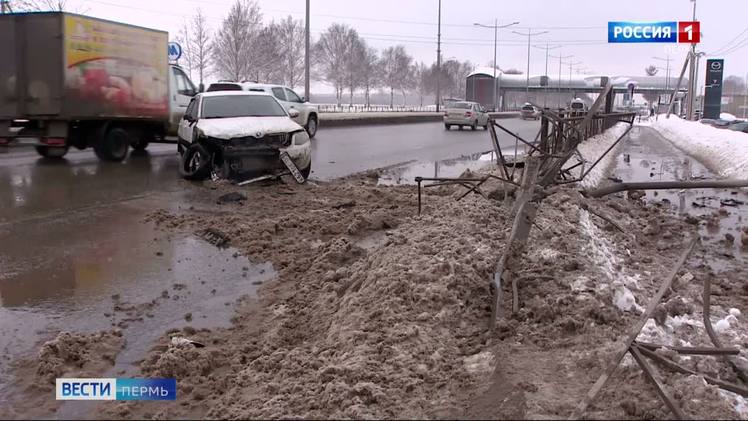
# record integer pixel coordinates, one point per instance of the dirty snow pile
(592, 148)
(724, 151)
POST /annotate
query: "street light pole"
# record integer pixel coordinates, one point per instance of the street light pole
(439, 57)
(306, 53)
(496, 28)
(529, 34)
(547, 48)
(558, 82)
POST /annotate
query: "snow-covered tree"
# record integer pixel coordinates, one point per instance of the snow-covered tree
(197, 45)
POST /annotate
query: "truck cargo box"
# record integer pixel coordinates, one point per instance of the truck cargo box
(59, 65)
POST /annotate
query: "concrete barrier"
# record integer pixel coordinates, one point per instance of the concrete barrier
(371, 118)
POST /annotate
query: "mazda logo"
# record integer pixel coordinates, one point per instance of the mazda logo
(258, 134)
(716, 65)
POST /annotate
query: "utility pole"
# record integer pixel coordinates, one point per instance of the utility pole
(495, 28)
(692, 73)
(547, 48)
(529, 34)
(558, 81)
(306, 53)
(439, 58)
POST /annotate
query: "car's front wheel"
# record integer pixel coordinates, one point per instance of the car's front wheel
(306, 171)
(447, 126)
(311, 126)
(196, 163)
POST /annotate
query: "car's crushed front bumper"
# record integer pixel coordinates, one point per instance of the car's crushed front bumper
(250, 156)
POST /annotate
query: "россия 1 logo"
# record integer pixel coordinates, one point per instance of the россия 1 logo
(683, 32)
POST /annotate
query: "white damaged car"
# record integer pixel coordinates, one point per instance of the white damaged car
(239, 134)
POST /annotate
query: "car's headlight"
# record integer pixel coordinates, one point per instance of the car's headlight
(300, 138)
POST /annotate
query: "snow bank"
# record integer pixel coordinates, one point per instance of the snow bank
(723, 151)
(592, 148)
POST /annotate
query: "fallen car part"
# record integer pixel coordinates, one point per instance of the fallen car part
(261, 178)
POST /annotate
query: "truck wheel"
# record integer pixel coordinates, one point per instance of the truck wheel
(311, 126)
(196, 163)
(114, 145)
(140, 145)
(52, 152)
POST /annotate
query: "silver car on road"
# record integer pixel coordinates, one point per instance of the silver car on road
(465, 114)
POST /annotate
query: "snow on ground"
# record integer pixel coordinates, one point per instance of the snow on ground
(724, 151)
(592, 148)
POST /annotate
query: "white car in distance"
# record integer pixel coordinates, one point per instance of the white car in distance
(231, 134)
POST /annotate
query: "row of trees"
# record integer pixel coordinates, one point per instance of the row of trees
(243, 48)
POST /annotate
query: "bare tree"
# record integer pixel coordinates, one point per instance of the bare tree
(733, 85)
(370, 71)
(353, 67)
(198, 46)
(514, 72)
(232, 45)
(183, 38)
(332, 55)
(44, 6)
(291, 39)
(421, 75)
(265, 49)
(395, 69)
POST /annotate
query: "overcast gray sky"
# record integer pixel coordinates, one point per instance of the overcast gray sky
(580, 26)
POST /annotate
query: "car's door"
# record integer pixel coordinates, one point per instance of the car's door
(182, 93)
(295, 102)
(280, 94)
(187, 124)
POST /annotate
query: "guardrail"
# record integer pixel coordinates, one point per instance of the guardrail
(361, 108)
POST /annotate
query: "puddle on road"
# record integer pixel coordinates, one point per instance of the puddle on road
(116, 262)
(652, 158)
(449, 168)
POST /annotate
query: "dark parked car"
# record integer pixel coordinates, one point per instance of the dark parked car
(741, 126)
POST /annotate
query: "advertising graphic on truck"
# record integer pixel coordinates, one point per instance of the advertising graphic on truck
(118, 70)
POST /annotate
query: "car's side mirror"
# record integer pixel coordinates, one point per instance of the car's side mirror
(188, 117)
(303, 99)
(293, 113)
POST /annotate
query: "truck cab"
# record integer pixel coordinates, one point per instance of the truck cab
(181, 91)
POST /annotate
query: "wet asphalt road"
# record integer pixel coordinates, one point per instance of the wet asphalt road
(72, 234)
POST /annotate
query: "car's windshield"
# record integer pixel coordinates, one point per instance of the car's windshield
(577, 105)
(739, 126)
(461, 105)
(528, 108)
(241, 106)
